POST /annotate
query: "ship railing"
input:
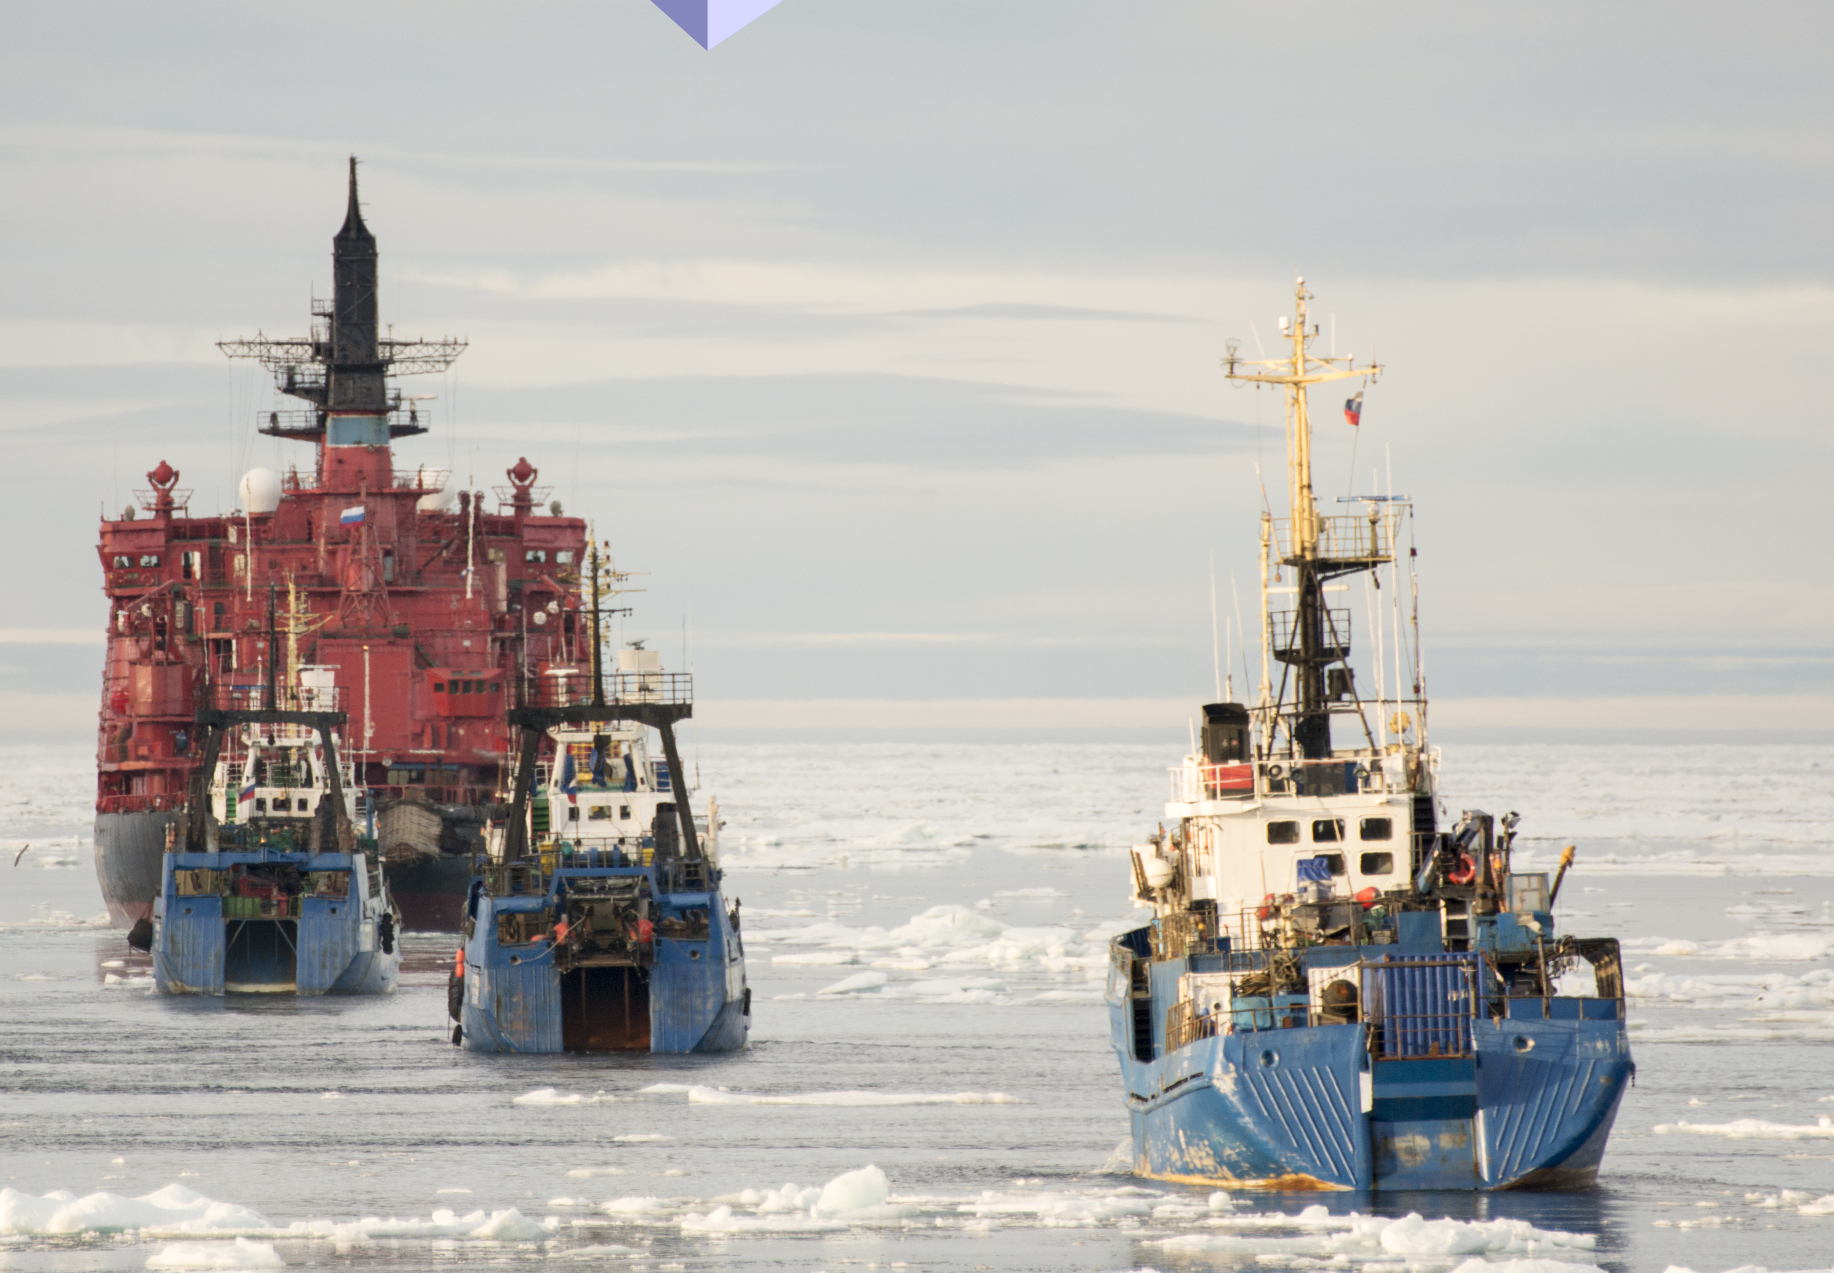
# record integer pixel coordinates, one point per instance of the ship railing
(296, 420)
(509, 496)
(1184, 1024)
(282, 698)
(1359, 774)
(1352, 539)
(167, 803)
(425, 480)
(158, 501)
(669, 688)
(604, 854)
(1283, 635)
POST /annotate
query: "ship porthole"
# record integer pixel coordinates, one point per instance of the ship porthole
(694, 954)
(1270, 1057)
(515, 959)
(1523, 1043)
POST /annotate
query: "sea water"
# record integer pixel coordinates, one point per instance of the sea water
(930, 1083)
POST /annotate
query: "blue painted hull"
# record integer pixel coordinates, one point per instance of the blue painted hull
(323, 944)
(689, 994)
(1308, 1107)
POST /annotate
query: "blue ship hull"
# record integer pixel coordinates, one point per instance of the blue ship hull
(334, 936)
(1525, 1099)
(524, 988)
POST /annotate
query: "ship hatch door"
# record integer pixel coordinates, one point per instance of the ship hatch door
(605, 1010)
(261, 955)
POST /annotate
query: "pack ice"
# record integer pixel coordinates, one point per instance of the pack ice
(171, 1210)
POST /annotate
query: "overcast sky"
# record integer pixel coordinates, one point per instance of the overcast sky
(885, 335)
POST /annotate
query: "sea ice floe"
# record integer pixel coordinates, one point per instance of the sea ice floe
(178, 1212)
(818, 959)
(1779, 947)
(859, 983)
(241, 1254)
(954, 937)
(633, 1206)
(853, 1197)
(853, 1191)
(1754, 1129)
(1323, 1235)
(509, 1225)
(173, 1210)
(725, 1220)
(554, 1096)
(586, 1173)
(713, 1096)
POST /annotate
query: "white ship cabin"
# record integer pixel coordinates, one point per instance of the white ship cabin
(604, 788)
(1246, 828)
(278, 771)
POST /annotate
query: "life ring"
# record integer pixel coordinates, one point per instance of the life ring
(1276, 771)
(1400, 723)
(1464, 871)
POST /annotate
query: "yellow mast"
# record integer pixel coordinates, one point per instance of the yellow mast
(1298, 372)
(1307, 648)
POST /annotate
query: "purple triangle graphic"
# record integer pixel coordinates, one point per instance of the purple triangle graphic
(710, 21)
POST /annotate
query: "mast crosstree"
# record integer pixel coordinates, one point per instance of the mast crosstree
(343, 367)
(1311, 637)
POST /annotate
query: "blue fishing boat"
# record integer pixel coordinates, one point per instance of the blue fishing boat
(1334, 992)
(271, 890)
(595, 921)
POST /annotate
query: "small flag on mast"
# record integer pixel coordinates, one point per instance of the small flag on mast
(1353, 409)
(351, 516)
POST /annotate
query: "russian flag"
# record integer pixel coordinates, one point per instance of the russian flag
(248, 793)
(353, 515)
(1353, 412)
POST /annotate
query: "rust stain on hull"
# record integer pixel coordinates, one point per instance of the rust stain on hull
(1295, 1182)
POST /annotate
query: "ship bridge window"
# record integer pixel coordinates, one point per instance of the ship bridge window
(1327, 830)
(535, 554)
(600, 813)
(563, 556)
(1376, 864)
(439, 687)
(1283, 833)
(150, 559)
(1376, 829)
(123, 563)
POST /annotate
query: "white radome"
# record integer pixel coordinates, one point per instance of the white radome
(260, 490)
(438, 501)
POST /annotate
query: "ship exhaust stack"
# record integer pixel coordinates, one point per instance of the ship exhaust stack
(357, 372)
